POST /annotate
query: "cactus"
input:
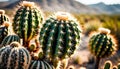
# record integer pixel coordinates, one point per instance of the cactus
(107, 65)
(3, 33)
(118, 65)
(101, 45)
(59, 36)
(14, 56)
(9, 39)
(3, 17)
(27, 21)
(40, 64)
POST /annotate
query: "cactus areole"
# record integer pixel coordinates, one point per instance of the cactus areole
(14, 56)
(3, 17)
(59, 36)
(27, 21)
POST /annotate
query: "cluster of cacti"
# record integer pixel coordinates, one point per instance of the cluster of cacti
(108, 65)
(14, 56)
(59, 36)
(58, 39)
(27, 22)
(101, 45)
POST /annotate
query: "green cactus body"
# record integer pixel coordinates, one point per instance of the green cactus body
(108, 65)
(118, 65)
(3, 33)
(37, 64)
(3, 18)
(14, 56)
(101, 45)
(9, 39)
(59, 38)
(27, 21)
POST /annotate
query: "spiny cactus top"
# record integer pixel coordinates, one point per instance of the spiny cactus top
(40, 64)
(3, 33)
(9, 39)
(14, 56)
(102, 44)
(59, 36)
(27, 21)
(3, 17)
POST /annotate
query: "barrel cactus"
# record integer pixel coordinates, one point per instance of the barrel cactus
(40, 64)
(101, 45)
(14, 56)
(3, 33)
(59, 36)
(27, 21)
(9, 39)
(3, 17)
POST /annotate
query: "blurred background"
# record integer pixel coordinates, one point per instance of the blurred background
(91, 14)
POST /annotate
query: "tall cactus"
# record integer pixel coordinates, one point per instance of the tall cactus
(59, 36)
(101, 45)
(3, 17)
(27, 21)
(14, 56)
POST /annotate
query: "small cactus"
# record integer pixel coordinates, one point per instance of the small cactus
(9, 39)
(3, 33)
(40, 64)
(101, 45)
(59, 36)
(27, 22)
(108, 65)
(14, 56)
(3, 17)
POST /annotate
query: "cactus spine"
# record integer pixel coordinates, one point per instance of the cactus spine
(14, 56)
(9, 39)
(101, 45)
(3, 17)
(27, 21)
(59, 36)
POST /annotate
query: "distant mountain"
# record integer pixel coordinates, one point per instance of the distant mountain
(109, 9)
(57, 5)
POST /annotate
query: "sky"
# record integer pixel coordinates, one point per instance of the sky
(3, 0)
(97, 1)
